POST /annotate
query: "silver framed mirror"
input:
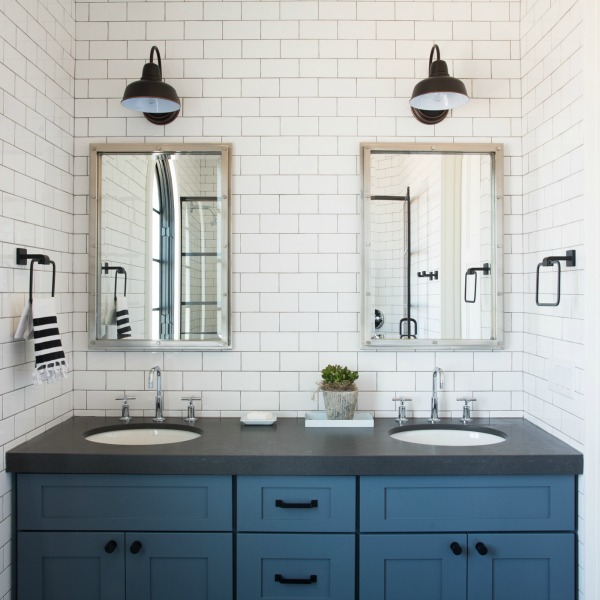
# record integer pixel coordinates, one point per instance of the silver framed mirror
(159, 247)
(432, 263)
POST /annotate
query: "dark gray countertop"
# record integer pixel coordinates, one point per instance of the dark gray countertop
(288, 448)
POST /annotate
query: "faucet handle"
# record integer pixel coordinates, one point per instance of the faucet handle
(466, 416)
(402, 418)
(191, 409)
(125, 408)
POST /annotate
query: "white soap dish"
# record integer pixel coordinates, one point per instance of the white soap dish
(258, 418)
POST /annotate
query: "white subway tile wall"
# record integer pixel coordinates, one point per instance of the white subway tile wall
(37, 126)
(294, 86)
(552, 212)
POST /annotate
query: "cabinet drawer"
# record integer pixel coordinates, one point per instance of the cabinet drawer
(295, 566)
(478, 503)
(296, 504)
(119, 502)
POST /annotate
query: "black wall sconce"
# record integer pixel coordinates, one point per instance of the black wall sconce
(433, 97)
(151, 95)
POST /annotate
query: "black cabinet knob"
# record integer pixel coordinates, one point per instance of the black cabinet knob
(481, 548)
(110, 547)
(456, 548)
(135, 547)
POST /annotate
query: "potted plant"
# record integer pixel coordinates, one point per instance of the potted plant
(339, 391)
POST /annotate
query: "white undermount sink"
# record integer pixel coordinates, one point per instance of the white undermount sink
(447, 435)
(129, 435)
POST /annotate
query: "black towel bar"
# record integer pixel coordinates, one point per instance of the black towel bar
(550, 261)
(41, 259)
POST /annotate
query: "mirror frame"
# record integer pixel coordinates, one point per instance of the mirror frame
(496, 151)
(95, 206)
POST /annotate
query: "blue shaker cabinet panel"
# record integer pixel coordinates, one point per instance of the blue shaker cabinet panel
(413, 567)
(538, 566)
(185, 566)
(467, 503)
(278, 566)
(319, 504)
(71, 566)
(477, 566)
(140, 502)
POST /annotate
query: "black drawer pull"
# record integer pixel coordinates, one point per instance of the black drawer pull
(135, 547)
(284, 504)
(456, 548)
(110, 547)
(281, 579)
(481, 548)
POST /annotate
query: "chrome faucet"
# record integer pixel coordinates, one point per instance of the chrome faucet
(438, 379)
(158, 417)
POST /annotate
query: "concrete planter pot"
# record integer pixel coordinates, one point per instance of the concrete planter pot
(340, 405)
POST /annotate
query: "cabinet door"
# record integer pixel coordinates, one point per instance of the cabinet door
(185, 566)
(302, 566)
(413, 567)
(70, 566)
(522, 566)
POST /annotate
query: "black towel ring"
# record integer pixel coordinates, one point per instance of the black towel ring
(551, 261)
(118, 271)
(41, 259)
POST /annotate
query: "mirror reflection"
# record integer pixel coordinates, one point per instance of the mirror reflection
(430, 258)
(162, 253)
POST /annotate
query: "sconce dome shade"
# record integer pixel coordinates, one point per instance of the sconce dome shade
(150, 98)
(151, 95)
(432, 94)
(437, 94)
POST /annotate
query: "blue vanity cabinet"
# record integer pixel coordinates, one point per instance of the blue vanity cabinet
(522, 566)
(167, 537)
(116, 537)
(71, 566)
(118, 566)
(296, 537)
(186, 566)
(467, 538)
(413, 567)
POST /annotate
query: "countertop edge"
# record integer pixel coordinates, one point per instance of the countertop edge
(292, 449)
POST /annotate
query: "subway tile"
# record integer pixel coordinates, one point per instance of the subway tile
(294, 86)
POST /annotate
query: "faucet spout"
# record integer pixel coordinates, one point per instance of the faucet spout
(437, 381)
(159, 403)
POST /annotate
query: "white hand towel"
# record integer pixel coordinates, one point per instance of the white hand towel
(25, 327)
(50, 362)
(123, 327)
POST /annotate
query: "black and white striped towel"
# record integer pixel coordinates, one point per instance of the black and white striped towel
(50, 362)
(123, 327)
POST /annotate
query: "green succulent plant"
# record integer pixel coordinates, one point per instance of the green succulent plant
(339, 378)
